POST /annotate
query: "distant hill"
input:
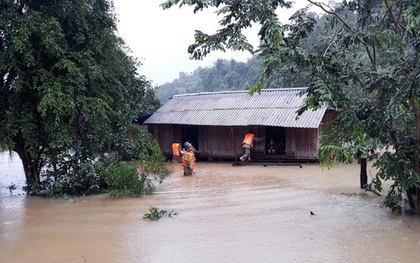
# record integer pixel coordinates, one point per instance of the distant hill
(225, 75)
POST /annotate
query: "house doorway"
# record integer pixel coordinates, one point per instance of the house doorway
(278, 135)
(190, 134)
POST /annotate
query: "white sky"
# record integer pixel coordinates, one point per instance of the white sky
(160, 38)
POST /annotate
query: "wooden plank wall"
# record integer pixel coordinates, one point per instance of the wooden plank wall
(222, 141)
(302, 142)
(329, 116)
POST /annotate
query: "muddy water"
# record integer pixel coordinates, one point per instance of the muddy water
(226, 214)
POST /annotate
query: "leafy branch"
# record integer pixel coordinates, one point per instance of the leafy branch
(155, 214)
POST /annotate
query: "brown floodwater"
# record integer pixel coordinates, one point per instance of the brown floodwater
(226, 214)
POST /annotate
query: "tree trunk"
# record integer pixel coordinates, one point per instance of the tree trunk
(410, 199)
(418, 198)
(30, 166)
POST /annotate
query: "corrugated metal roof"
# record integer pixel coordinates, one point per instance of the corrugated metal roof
(272, 107)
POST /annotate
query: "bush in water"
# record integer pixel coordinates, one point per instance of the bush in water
(129, 178)
(140, 175)
(122, 179)
(133, 167)
(71, 176)
(154, 213)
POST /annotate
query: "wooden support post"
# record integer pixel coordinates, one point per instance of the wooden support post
(363, 172)
(234, 144)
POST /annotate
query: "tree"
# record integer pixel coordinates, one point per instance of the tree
(368, 68)
(67, 82)
(385, 71)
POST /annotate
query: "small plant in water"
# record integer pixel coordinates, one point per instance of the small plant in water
(12, 187)
(155, 214)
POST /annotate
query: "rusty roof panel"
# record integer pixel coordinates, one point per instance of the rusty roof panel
(272, 107)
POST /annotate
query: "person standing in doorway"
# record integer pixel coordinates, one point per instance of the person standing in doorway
(247, 144)
(188, 159)
(176, 151)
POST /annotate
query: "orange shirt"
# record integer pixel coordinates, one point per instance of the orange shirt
(188, 158)
(176, 149)
(249, 137)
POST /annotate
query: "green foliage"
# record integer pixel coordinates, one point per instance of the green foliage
(133, 143)
(122, 179)
(133, 169)
(78, 87)
(224, 75)
(400, 172)
(231, 75)
(69, 175)
(132, 179)
(139, 177)
(155, 214)
(234, 20)
(338, 148)
(378, 61)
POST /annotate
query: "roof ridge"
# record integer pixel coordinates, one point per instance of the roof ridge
(235, 91)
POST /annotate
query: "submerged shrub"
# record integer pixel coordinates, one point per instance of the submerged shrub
(132, 166)
(154, 213)
(132, 179)
(70, 176)
(140, 175)
(122, 179)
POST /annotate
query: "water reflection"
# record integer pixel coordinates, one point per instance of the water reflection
(12, 203)
(226, 214)
(11, 172)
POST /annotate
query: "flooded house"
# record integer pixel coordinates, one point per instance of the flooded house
(216, 122)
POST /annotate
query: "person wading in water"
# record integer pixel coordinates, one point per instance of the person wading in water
(188, 159)
(176, 151)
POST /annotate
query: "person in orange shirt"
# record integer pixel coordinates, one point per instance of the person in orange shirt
(188, 159)
(247, 144)
(176, 151)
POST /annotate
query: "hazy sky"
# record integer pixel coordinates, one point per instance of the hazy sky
(160, 38)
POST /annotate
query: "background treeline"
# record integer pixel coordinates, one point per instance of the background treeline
(228, 75)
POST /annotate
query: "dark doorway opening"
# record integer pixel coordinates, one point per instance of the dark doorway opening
(190, 134)
(278, 136)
